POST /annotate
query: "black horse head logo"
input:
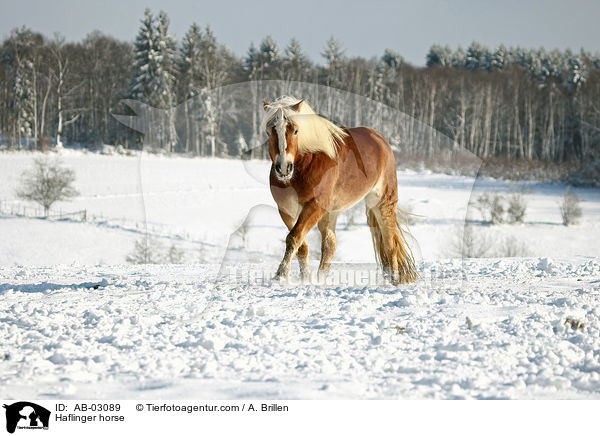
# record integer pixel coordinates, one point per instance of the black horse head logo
(27, 415)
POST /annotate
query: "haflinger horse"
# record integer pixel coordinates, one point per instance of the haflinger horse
(318, 170)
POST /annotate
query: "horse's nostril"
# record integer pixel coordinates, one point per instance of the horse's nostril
(289, 168)
(278, 167)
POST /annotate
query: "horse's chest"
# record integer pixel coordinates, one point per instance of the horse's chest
(287, 200)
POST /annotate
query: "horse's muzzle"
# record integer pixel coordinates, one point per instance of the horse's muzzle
(284, 174)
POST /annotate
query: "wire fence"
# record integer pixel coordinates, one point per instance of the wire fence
(14, 208)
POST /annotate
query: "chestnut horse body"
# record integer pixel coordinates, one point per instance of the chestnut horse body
(311, 183)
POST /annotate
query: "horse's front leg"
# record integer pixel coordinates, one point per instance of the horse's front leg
(302, 253)
(309, 217)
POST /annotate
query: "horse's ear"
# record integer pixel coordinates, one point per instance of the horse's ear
(296, 107)
(265, 104)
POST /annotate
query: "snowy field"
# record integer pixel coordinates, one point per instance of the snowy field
(77, 321)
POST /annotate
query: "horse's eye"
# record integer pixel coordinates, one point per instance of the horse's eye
(295, 132)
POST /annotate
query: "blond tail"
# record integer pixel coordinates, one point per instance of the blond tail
(395, 256)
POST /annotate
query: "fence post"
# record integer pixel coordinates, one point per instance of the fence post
(84, 215)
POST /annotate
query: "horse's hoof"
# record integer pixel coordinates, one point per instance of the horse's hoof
(321, 277)
(279, 277)
(306, 277)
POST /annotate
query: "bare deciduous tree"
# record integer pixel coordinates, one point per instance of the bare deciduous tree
(46, 183)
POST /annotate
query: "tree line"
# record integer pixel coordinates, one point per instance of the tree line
(510, 103)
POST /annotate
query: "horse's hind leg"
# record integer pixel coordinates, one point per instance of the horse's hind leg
(302, 253)
(328, 243)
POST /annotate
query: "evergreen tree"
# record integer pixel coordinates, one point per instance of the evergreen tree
(458, 58)
(334, 57)
(190, 68)
(439, 56)
(190, 84)
(165, 83)
(269, 59)
(154, 74)
(391, 59)
(498, 59)
(145, 54)
(215, 60)
(165, 63)
(385, 74)
(333, 53)
(24, 103)
(18, 62)
(295, 61)
(250, 63)
(477, 57)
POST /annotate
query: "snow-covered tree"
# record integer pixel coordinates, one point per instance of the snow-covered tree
(190, 68)
(20, 75)
(145, 52)
(576, 75)
(477, 57)
(296, 64)
(24, 102)
(498, 59)
(154, 74)
(439, 56)
(458, 58)
(250, 63)
(391, 59)
(166, 50)
(334, 58)
(333, 53)
(384, 74)
(269, 59)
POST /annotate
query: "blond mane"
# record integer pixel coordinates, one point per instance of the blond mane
(315, 133)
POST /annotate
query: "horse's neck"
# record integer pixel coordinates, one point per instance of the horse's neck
(303, 161)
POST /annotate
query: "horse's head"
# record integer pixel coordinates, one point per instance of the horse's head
(283, 142)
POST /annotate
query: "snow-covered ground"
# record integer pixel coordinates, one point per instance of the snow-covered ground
(76, 321)
(170, 332)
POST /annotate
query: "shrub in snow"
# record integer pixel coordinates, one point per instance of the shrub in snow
(511, 247)
(475, 243)
(493, 208)
(482, 204)
(570, 211)
(517, 206)
(150, 250)
(497, 209)
(175, 255)
(146, 250)
(469, 243)
(46, 183)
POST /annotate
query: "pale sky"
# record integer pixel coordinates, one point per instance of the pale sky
(364, 28)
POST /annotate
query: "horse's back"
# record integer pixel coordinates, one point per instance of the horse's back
(365, 158)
